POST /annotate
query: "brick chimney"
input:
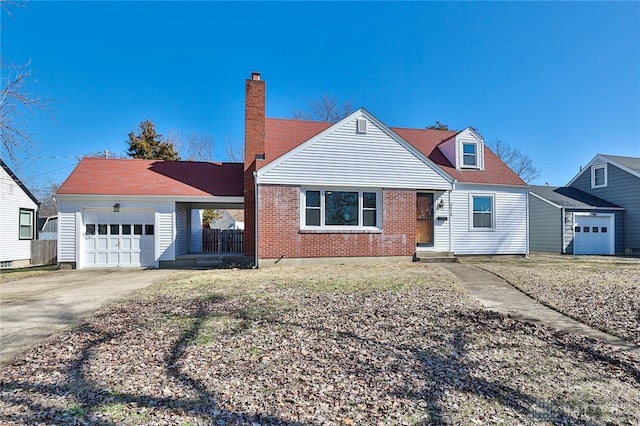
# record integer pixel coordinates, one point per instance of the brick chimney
(254, 119)
(254, 137)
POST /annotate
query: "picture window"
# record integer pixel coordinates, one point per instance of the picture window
(338, 209)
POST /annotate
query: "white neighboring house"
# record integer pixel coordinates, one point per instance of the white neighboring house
(231, 219)
(18, 213)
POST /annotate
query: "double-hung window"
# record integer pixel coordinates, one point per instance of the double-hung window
(599, 176)
(26, 224)
(482, 212)
(469, 155)
(339, 209)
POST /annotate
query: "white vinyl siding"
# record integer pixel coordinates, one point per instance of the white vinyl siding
(345, 158)
(509, 234)
(165, 234)
(182, 229)
(441, 221)
(196, 231)
(66, 235)
(12, 199)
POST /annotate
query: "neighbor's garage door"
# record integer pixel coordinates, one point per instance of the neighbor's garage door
(592, 235)
(125, 238)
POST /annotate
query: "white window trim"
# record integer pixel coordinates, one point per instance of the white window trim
(493, 212)
(345, 228)
(462, 154)
(32, 214)
(593, 176)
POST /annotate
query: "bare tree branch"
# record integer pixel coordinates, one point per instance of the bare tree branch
(232, 152)
(520, 163)
(15, 104)
(199, 147)
(325, 109)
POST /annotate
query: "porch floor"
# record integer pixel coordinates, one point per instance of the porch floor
(205, 260)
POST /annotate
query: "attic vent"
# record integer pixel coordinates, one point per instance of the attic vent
(361, 125)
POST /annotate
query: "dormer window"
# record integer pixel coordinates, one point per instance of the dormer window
(469, 155)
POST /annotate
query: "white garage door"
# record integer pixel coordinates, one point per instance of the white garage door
(125, 238)
(593, 235)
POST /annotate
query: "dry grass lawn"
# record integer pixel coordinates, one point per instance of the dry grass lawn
(377, 344)
(601, 291)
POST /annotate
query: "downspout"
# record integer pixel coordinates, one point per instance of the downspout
(526, 255)
(563, 229)
(453, 184)
(255, 219)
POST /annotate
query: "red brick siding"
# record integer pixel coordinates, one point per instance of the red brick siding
(254, 138)
(279, 228)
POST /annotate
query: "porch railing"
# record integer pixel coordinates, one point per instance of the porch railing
(222, 241)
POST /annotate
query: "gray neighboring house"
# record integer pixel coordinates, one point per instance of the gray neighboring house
(617, 180)
(570, 221)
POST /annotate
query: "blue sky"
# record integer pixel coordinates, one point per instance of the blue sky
(559, 81)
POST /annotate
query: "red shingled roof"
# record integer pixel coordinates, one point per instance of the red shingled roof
(283, 135)
(426, 141)
(100, 176)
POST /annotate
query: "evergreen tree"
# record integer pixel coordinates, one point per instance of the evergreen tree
(149, 145)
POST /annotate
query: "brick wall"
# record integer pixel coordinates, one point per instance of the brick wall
(254, 139)
(279, 228)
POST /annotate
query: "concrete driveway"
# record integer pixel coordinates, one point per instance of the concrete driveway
(34, 308)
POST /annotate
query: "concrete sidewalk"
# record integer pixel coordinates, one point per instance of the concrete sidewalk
(497, 295)
(35, 308)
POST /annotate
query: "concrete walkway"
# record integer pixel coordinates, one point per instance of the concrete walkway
(497, 295)
(35, 308)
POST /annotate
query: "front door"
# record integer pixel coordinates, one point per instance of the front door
(424, 218)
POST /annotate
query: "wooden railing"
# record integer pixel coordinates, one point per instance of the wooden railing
(222, 241)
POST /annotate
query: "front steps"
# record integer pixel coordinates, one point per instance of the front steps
(434, 257)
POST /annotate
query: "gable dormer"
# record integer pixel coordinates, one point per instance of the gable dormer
(464, 150)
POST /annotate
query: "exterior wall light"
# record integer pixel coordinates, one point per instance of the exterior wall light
(116, 207)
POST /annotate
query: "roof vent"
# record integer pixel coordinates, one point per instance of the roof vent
(361, 125)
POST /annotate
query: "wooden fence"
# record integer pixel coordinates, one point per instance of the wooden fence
(44, 252)
(222, 241)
